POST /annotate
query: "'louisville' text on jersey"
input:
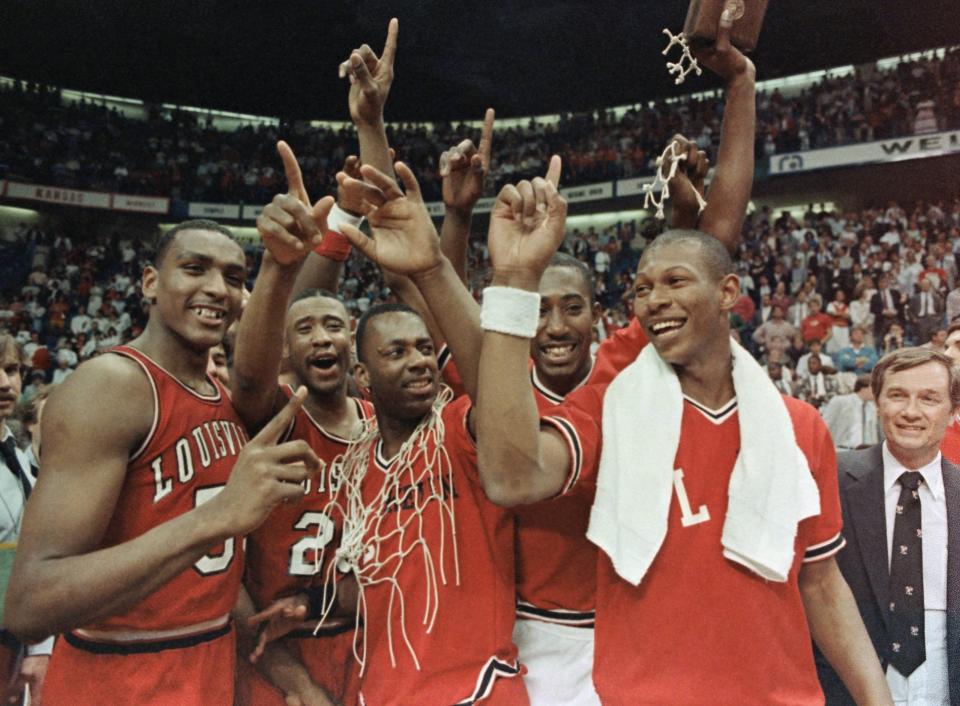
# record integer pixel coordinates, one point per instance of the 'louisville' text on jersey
(210, 441)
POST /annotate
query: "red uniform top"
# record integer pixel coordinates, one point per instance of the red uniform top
(185, 460)
(950, 446)
(618, 351)
(556, 563)
(282, 553)
(463, 569)
(283, 556)
(700, 628)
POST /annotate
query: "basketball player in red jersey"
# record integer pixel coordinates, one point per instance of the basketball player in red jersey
(313, 334)
(950, 446)
(131, 546)
(655, 642)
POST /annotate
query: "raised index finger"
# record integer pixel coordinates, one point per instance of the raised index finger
(390, 46)
(292, 171)
(274, 429)
(486, 138)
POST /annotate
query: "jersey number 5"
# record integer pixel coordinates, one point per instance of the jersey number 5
(304, 554)
(211, 564)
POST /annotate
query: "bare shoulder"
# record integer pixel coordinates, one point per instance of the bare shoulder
(108, 400)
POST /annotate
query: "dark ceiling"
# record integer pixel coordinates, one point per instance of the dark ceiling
(454, 59)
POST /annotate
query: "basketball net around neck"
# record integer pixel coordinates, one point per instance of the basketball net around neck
(378, 536)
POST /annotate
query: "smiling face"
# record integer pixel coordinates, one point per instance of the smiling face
(681, 303)
(399, 365)
(914, 408)
(11, 381)
(561, 348)
(197, 288)
(318, 344)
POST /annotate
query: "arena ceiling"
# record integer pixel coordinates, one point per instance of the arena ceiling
(276, 57)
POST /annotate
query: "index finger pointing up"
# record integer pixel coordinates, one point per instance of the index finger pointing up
(390, 46)
(486, 138)
(271, 433)
(553, 171)
(292, 170)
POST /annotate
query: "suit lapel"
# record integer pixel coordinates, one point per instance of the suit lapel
(951, 486)
(865, 500)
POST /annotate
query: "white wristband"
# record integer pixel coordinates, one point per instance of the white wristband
(515, 312)
(338, 216)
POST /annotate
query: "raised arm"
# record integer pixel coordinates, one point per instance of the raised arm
(730, 188)
(463, 169)
(519, 463)
(61, 578)
(370, 79)
(405, 242)
(288, 227)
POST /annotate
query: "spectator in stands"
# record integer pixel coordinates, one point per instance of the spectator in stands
(839, 311)
(852, 417)
(893, 340)
(887, 308)
(775, 333)
(814, 349)
(858, 357)
(818, 387)
(818, 326)
(925, 312)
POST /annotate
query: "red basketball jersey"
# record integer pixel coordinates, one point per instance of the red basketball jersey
(618, 351)
(467, 549)
(164, 649)
(700, 627)
(556, 563)
(950, 446)
(283, 554)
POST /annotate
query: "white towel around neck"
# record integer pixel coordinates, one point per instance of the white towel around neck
(771, 488)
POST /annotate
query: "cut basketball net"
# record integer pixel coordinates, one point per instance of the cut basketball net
(379, 535)
(661, 181)
(687, 61)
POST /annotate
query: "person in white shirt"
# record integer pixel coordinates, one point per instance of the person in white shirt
(902, 559)
(16, 482)
(852, 418)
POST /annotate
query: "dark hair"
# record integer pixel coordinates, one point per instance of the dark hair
(907, 358)
(715, 255)
(862, 382)
(168, 236)
(562, 259)
(372, 313)
(315, 292)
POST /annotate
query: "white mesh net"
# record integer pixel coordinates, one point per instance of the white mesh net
(686, 63)
(382, 532)
(657, 192)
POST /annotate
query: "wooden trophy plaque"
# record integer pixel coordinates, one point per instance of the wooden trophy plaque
(703, 19)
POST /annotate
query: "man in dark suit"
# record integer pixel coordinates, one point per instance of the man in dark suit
(887, 308)
(901, 515)
(926, 312)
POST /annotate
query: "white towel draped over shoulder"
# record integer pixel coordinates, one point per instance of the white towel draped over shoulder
(771, 488)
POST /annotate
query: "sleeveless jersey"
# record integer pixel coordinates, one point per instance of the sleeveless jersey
(177, 645)
(468, 655)
(185, 460)
(556, 563)
(283, 556)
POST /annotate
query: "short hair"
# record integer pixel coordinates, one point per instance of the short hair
(562, 259)
(167, 237)
(8, 342)
(312, 292)
(907, 358)
(372, 313)
(862, 382)
(715, 256)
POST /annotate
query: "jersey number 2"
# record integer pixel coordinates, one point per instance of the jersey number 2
(303, 553)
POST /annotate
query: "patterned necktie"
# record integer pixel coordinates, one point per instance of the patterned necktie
(8, 451)
(907, 649)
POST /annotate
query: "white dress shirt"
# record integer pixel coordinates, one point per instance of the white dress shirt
(929, 683)
(852, 421)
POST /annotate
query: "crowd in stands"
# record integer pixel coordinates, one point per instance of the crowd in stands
(823, 294)
(174, 153)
